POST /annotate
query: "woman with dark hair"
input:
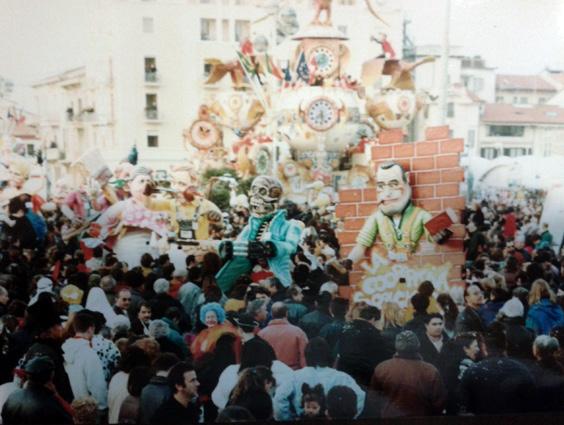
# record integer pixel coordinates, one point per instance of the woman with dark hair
(210, 367)
(252, 355)
(211, 264)
(129, 411)
(457, 356)
(253, 392)
(425, 289)
(449, 312)
(235, 414)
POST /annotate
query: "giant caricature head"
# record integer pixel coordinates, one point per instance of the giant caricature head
(265, 195)
(19, 173)
(140, 185)
(184, 182)
(394, 192)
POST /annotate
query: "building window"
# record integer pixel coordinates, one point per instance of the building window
(151, 110)
(506, 131)
(515, 100)
(148, 25)
(150, 70)
(208, 30)
(225, 29)
(499, 99)
(242, 30)
(513, 152)
(488, 153)
(524, 101)
(450, 110)
(478, 84)
(152, 141)
(471, 138)
(207, 69)
(542, 100)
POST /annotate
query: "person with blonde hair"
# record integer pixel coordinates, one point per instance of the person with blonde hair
(544, 314)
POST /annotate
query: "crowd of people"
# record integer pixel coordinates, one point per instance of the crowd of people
(84, 337)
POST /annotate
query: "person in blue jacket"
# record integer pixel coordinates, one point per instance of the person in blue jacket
(544, 314)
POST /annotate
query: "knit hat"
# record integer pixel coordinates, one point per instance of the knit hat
(407, 342)
(513, 308)
(161, 286)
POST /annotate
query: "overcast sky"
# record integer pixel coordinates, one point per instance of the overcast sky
(39, 38)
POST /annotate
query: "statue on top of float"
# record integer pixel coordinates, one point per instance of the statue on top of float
(269, 236)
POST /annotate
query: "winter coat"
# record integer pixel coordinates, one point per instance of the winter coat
(312, 323)
(469, 321)
(153, 396)
(85, 371)
(428, 350)
(34, 405)
(288, 398)
(52, 349)
(288, 342)
(519, 338)
(498, 385)
(411, 386)
(188, 295)
(331, 332)
(295, 311)
(544, 316)
(361, 348)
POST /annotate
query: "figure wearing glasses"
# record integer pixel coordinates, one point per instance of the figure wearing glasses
(398, 222)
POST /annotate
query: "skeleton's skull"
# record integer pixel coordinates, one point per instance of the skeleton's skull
(265, 195)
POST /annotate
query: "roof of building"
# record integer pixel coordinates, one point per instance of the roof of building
(510, 114)
(25, 131)
(523, 82)
(62, 76)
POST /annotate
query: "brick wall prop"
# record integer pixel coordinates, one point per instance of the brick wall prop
(435, 176)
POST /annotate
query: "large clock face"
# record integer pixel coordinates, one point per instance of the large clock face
(203, 134)
(323, 60)
(321, 114)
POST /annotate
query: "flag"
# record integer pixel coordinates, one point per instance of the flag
(247, 47)
(302, 69)
(246, 63)
(272, 68)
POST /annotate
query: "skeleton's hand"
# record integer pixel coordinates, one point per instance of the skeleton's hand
(226, 250)
(442, 236)
(254, 250)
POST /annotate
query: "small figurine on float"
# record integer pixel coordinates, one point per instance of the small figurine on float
(268, 235)
(139, 224)
(195, 214)
(399, 224)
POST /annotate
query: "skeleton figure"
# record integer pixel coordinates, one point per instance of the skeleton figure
(268, 235)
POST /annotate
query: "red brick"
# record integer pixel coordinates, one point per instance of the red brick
(381, 152)
(452, 245)
(345, 292)
(457, 203)
(452, 146)
(426, 148)
(354, 223)
(369, 194)
(421, 192)
(454, 258)
(434, 259)
(389, 137)
(412, 179)
(405, 164)
(347, 237)
(454, 272)
(364, 210)
(447, 161)
(458, 230)
(350, 195)
(404, 151)
(426, 163)
(428, 177)
(437, 133)
(430, 204)
(345, 250)
(448, 189)
(344, 210)
(453, 175)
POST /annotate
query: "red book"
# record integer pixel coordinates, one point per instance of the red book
(441, 221)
